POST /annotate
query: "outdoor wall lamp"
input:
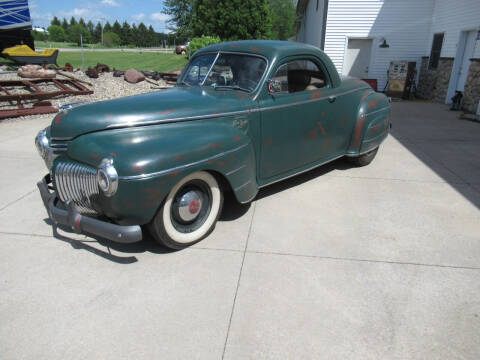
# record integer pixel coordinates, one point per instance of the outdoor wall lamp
(384, 44)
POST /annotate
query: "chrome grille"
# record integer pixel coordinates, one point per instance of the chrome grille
(78, 183)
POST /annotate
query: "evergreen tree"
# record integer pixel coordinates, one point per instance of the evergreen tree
(82, 22)
(55, 21)
(97, 33)
(151, 37)
(73, 21)
(134, 35)
(117, 28)
(90, 28)
(283, 18)
(230, 21)
(107, 27)
(142, 35)
(125, 35)
(64, 24)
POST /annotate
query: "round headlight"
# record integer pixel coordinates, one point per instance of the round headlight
(41, 142)
(107, 177)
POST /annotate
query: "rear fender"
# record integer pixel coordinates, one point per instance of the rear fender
(372, 124)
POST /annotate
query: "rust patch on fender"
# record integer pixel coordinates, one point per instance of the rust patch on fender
(113, 154)
(179, 157)
(268, 165)
(94, 155)
(137, 168)
(268, 142)
(358, 131)
(372, 104)
(254, 48)
(237, 138)
(316, 94)
(58, 118)
(175, 173)
(364, 96)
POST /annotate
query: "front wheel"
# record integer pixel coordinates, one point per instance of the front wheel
(190, 211)
(364, 159)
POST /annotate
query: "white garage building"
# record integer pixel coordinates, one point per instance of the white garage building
(362, 37)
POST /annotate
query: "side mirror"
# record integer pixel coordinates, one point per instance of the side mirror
(274, 86)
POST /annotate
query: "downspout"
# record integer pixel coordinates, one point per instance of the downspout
(324, 26)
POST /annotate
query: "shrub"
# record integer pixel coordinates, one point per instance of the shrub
(56, 33)
(199, 42)
(111, 39)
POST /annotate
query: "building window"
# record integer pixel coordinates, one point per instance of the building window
(436, 50)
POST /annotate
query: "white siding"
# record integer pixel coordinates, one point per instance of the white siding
(405, 24)
(452, 17)
(311, 26)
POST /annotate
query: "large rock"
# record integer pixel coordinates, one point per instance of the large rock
(35, 71)
(133, 76)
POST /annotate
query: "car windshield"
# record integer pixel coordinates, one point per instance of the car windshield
(229, 71)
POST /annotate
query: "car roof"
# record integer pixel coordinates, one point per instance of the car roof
(274, 50)
(267, 48)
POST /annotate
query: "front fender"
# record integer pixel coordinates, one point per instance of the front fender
(150, 160)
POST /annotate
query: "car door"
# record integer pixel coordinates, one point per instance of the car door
(297, 123)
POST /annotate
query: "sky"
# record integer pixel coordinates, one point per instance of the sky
(147, 11)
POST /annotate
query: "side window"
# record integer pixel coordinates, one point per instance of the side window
(299, 75)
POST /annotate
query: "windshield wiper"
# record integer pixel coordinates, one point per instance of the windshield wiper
(233, 87)
(183, 82)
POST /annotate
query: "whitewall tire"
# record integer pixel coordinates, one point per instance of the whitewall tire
(189, 212)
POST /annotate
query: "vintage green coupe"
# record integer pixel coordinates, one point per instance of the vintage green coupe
(243, 115)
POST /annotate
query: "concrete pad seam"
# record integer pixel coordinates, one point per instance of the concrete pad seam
(238, 282)
(14, 201)
(364, 260)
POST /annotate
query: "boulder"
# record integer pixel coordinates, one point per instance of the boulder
(36, 71)
(133, 76)
(92, 73)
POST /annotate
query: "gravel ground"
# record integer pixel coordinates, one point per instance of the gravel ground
(105, 87)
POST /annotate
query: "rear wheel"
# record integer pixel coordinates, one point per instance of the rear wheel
(364, 159)
(190, 211)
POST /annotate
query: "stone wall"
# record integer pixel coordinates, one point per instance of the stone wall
(433, 84)
(471, 94)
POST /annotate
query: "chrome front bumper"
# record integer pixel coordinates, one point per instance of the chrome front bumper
(69, 216)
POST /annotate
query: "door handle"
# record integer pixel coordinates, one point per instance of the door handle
(332, 98)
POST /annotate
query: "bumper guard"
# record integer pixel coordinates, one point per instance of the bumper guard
(83, 224)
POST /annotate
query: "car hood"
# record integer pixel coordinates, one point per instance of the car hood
(176, 104)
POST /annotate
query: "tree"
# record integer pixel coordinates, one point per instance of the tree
(90, 28)
(283, 19)
(97, 33)
(82, 22)
(142, 35)
(56, 33)
(38, 35)
(151, 37)
(64, 24)
(73, 21)
(107, 27)
(133, 35)
(111, 39)
(74, 34)
(55, 21)
(125, 34)
(117, 28)
(232, 20)
(181, 15)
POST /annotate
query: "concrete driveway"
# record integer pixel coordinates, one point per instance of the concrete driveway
(380, 262)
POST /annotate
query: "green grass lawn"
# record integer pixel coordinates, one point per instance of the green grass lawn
(120, 60)
(125, 60)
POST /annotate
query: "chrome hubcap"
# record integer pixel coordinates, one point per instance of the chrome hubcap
(189, 206)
